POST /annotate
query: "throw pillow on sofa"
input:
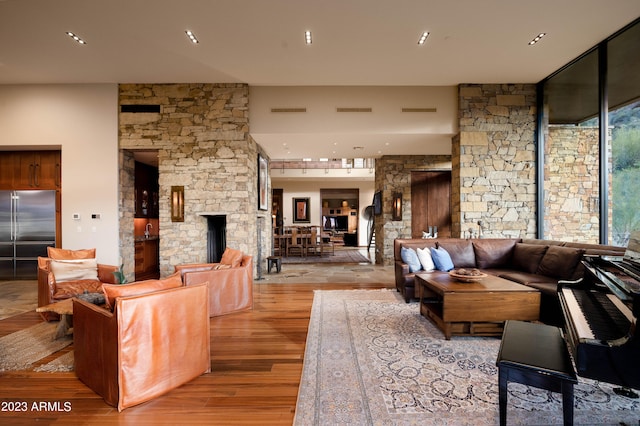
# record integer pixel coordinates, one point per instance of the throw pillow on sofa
(410, 257)
(74, 270)
(441, 259)
(424, 255)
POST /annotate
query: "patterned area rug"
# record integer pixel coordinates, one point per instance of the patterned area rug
(371, 359)
(19, 350)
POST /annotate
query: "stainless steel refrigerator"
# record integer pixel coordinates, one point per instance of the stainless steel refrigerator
(27, 228)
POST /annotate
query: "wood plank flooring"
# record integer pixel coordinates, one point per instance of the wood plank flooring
(256, 362)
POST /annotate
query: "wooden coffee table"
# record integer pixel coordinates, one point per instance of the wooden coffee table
(478, 308)
(65, 309)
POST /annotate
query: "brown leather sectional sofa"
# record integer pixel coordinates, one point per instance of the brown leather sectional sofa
(536, 263)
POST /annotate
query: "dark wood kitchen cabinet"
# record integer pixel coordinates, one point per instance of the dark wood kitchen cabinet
(30, 170)
(147, 265)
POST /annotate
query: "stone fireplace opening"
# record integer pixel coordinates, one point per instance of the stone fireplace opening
(216, 237)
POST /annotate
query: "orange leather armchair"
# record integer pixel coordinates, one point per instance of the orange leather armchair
(150, 344)
(50, 291)
(230, 288)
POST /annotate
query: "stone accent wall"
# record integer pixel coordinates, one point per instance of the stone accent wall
(494, 179)
(571, 186)
(202, 135)
(393, 174)
(127, 213)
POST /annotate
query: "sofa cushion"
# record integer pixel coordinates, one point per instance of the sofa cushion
(424, 255)
(527, 257)
(410, 257)
(66, 254)
(112, 291)
(549, 288)
(73, 270)
(493, 253)
(461, 252)
(526, 278)
(442, 259)
(560, 262)
(231, 257)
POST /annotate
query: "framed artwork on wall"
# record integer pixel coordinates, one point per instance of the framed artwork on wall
(301, 210)
(263, 173)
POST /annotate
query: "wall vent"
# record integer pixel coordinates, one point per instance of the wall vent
(139, 108)
(354, 109)
(288, 110)
(419, 109)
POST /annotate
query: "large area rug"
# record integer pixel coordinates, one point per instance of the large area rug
(339, 256)
(371, 359)
(20, 350)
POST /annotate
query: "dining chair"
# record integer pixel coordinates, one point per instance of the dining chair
(295, 245)
(313, 246)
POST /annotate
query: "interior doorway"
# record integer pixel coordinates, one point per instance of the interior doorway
(339, 214)
(431, 203)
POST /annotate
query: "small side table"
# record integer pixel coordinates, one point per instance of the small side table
(65, 309)
(274, 261)
(535, 355)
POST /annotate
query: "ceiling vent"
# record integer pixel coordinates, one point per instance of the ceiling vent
(419, 109)
(354, 109)
(288, 110)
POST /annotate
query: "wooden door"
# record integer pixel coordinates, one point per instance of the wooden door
(431, 202)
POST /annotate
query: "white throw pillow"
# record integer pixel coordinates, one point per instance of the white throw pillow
(424, 255)
(72, 270)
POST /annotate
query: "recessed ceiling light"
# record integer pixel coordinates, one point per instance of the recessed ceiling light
(307, 37)
(192, 37)
(76, 37)
(537, 39)
(423, 37)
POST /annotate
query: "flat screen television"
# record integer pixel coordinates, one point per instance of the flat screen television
(335, 223)
(328, 223)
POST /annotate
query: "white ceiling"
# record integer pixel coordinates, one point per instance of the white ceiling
(259, 42)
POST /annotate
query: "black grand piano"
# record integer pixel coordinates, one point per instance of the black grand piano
(600, 316)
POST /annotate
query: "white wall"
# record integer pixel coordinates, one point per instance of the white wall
(311, 189)
(81, 120)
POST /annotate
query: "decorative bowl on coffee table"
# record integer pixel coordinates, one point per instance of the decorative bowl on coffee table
(467, 278)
